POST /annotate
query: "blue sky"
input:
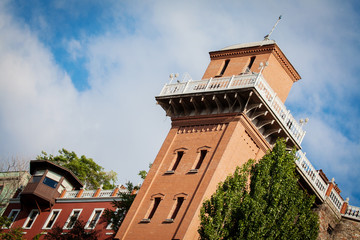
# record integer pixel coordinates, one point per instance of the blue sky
(83, 74)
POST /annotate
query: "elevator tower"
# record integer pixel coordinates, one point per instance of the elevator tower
(234, 113)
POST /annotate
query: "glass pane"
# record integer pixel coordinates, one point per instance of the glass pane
(50, 182)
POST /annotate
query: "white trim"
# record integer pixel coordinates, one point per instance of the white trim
(92, 216)
(71, 214)
(109, 226)
(49, 218)
(28, 219)
(92, 199)
(15, 216)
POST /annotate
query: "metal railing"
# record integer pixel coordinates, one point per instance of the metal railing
(254, 80)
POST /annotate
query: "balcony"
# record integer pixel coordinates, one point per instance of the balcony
(231, 94)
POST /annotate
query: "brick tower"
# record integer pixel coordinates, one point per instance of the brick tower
(236, 112)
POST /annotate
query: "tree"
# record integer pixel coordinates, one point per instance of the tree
(269, 206)
(77, 232)
(116, 217)
(11, 234)
(89, 172)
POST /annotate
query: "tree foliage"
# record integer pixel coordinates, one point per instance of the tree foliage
(77, 232)
(116, 217)
(88, 171)
(9, 234)
(269, 206)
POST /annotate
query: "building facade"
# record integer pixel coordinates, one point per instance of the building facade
(10, 183)
(55, 197)
(234, 113)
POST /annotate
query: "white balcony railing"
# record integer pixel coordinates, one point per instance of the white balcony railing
(71, 194)
(312, 176)
(256, 81)
(352, 212)
(336, 199)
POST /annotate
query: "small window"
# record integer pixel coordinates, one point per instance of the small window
(179, 202)
(51, 219)
(31, 219)
(157, 201)
(36, 179)
(50, 182)
(94, 218)
(109, 226)
(201, 159)
(13, 214)
(252, 59)
(180, 154)
(72, 218)
(224, 67)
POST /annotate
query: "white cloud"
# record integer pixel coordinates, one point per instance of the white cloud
(117, 122)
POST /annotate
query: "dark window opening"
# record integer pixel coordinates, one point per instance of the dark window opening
(178, 158)
(156, 204)
(52, 219)
(36, 179)
(13, 214)
(224, 67)
(49, 182)
(252, 59)
(330, 229)
(32, 217)
(201, 159)
(180, 201)
(95, 219)
(73, 219)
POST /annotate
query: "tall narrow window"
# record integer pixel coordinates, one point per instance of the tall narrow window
(252, 59)
(72, 218)
(178, 158)
(201, 159)
(157, 201)
(224, 67)
(94, 218)
(51, 219)
(31, 219)
(13, 214)
(179, 202)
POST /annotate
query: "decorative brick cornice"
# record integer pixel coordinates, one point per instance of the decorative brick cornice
(272, 48)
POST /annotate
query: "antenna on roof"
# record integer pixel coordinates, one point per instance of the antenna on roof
(268, 36)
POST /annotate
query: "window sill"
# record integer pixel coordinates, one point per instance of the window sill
(145, 220)
(193, 170)
(170, 172)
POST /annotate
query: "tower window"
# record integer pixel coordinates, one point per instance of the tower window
(178, 158)
(157, 201)
(201, 159)
(179, 202)
(224, 67)
(252, 59)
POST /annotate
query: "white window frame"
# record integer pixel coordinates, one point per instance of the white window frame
(15, 216)
(49, 218)
(109, 226)
(28, 219)
(69, 218)
(91, 218)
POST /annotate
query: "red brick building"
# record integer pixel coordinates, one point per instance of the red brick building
(234, 113)
(55, 197)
